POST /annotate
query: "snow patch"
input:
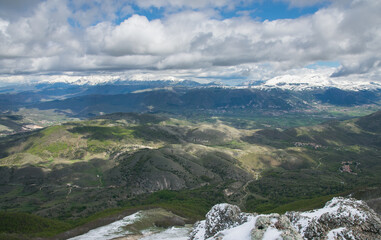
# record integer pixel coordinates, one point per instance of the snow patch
(242, 232)
(272, 234)
(338, 207)
(174, 233)
(110, 231)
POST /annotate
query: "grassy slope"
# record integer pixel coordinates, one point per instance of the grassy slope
(21, 225)
(290, 178)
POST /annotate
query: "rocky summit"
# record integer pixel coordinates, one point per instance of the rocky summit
(340, 219)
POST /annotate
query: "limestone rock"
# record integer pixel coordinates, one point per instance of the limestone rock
(340, 218)
(220, 217)
(274, 226)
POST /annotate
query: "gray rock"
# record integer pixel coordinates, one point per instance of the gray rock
(278, 225)
(220, 217)
(341, 218)
(198, 232)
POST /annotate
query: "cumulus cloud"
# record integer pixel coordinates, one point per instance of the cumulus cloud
(11, 9)
(185, 3)
(85, 36)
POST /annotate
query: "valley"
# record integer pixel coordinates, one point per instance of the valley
(80, 171)
(199, 120)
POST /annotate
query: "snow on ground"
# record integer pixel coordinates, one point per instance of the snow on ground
(110, 231)
(174, 233)
(338, 233)
(337, 207)
(241, 232)
(200, 230)
(321, 79)
(272, 234)
(117, 230)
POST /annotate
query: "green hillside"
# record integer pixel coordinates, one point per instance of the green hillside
(70, 172)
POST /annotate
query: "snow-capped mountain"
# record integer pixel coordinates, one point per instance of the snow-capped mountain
(313, 81)
(309, 81)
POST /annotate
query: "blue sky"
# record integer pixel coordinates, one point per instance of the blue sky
(258, 10)
(252, 40)
(264, 10)
(270, 10)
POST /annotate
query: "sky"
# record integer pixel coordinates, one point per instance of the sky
(202, 40)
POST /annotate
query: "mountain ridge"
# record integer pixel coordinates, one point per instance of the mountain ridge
(74, 170)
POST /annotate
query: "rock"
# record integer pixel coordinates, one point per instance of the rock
(167, 222)
(220, 217)
(274, 226)
(198, 232)
(341, 218)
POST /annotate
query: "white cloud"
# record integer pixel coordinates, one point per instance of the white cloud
(187, 42)
(136, 36)
(187, 4)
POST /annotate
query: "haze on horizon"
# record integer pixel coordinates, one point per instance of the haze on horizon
(201, 40)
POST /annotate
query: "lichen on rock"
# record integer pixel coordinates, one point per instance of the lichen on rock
(274, 226)
(339, 219)
(220, 217)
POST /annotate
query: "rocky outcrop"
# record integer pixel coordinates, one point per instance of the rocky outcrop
(225, 221)
(339, 219)
(220, 217)
(274, 226)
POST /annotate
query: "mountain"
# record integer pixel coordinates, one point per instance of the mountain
(312, 81)
(120, 161)
(17, 96)
(181, 98)
(178, 101)
(217, 100)
(340, 97)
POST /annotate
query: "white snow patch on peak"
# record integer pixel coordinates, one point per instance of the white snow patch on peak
(199, 230)
(272, 234)
(242, 232)
(334, 233)
(220, 206)
(338, 208)
(340, 218)
(317, 80)
(342, 207)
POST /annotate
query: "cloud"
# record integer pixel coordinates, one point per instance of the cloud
(84, 36)
(137, 36)
(11, 9)
(185, 3)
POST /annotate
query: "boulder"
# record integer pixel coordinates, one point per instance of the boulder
(274, 226)
(220, 217)
(340, 218)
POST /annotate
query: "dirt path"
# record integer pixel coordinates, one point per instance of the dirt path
(244, 188)
(319, 160)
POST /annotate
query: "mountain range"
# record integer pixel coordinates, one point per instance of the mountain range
(176, 97)
(121, 161)
(74, 155)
